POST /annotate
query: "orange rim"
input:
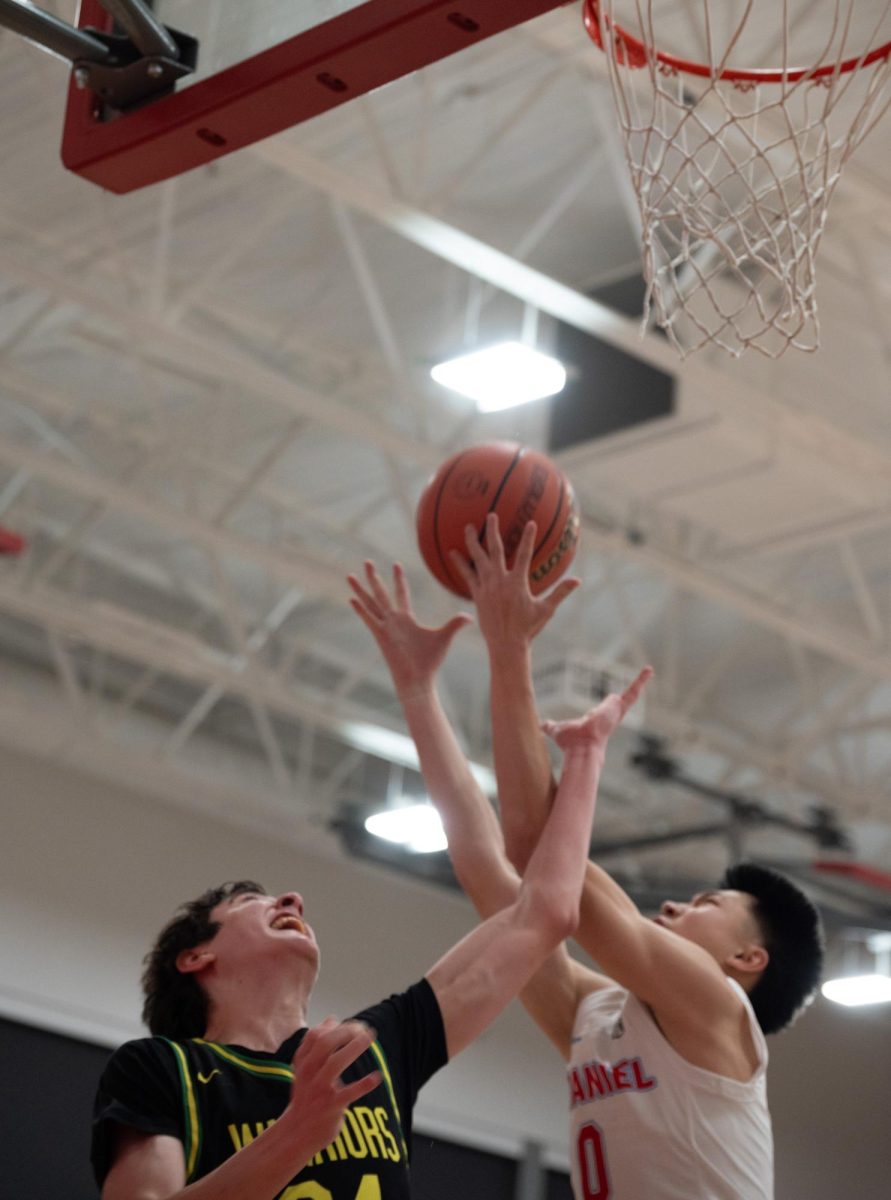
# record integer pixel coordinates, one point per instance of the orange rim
(631, 52)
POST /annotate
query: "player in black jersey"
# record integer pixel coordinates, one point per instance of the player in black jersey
(234, 1099)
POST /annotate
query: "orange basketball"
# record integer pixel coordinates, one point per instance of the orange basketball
(518, 484)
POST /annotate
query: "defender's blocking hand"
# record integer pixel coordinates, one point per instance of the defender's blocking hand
(596, 727)
(413, 652)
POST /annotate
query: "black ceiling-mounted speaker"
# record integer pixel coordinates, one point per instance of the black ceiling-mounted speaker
(607, 390)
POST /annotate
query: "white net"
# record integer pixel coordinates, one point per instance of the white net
(734, 177)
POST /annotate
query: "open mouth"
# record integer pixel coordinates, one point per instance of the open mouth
(289, 921)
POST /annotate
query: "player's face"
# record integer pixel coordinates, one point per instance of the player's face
(254, 928)
(721, 921)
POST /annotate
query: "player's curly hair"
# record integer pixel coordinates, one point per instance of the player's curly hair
(793, 937)
(176, 1004)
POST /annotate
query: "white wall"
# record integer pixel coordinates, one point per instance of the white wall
(830, 1095)
(88, 873)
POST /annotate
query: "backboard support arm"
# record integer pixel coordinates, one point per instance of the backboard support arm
(122, 70)
(340, 59)
(143, 28)
(51, 33)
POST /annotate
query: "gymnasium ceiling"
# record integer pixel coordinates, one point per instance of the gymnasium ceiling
(214, 402)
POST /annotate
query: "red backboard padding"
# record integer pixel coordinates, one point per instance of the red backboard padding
(10, 543)
(337, 61)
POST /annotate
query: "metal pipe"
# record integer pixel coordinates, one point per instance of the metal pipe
(143, 28)
(689, 833)
(48, 32)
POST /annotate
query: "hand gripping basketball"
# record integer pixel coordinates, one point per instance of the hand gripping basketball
(508, 611)
(516, 484)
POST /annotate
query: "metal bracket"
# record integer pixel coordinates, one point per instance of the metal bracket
(127, 77)
(123, 69)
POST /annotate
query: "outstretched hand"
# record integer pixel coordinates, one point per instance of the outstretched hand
(413, 652)
(318, 1097)
(508, 612)
(596, 726)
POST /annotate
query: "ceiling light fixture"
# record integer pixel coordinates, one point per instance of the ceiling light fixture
(854, 989)
(417, 827)
(502, 376)
(392, 746)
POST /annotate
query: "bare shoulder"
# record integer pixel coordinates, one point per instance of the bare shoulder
(723, 1043)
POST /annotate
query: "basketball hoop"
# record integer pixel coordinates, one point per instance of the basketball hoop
(734, 165)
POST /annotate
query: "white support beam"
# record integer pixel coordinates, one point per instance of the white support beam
(147, 441)
(299, 568)
(166, 651)
(34, 721)
(218, 361)
(67, 674)
(835, 642)
(469, 253)
(854, 802)
(245, 652)
(261, 469)
(823, 533)
(484, 148)
(478, 258)
(159, 280)
(320, 576)
(377, 310)
(365, 105)
(863, 595)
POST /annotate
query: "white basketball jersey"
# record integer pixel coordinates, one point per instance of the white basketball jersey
(645, 1124)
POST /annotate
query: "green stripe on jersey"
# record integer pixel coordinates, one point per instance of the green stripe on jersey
(190, 1110)
(253, 1066)
(377, 1051)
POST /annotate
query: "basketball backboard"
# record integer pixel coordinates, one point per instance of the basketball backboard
(262, 66)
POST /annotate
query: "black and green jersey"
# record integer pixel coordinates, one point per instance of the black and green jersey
(216, 1098)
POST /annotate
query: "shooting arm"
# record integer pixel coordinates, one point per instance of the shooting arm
(522, 763)
(510, 617)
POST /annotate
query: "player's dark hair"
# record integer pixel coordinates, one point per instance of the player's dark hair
(793, 937)
(175, 1003)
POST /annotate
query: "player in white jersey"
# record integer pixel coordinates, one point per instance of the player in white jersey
(644, 1121)
(665, 1049)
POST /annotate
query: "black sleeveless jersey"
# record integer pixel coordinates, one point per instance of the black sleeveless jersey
(216, 1098)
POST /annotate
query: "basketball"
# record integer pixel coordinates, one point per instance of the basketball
(518, 484)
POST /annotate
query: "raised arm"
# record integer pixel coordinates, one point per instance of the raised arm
(414, 652)
(510, 617)
(677, 979)
(494, 963)
(475, 981)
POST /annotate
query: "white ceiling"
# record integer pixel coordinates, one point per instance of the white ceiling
(214, 402)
